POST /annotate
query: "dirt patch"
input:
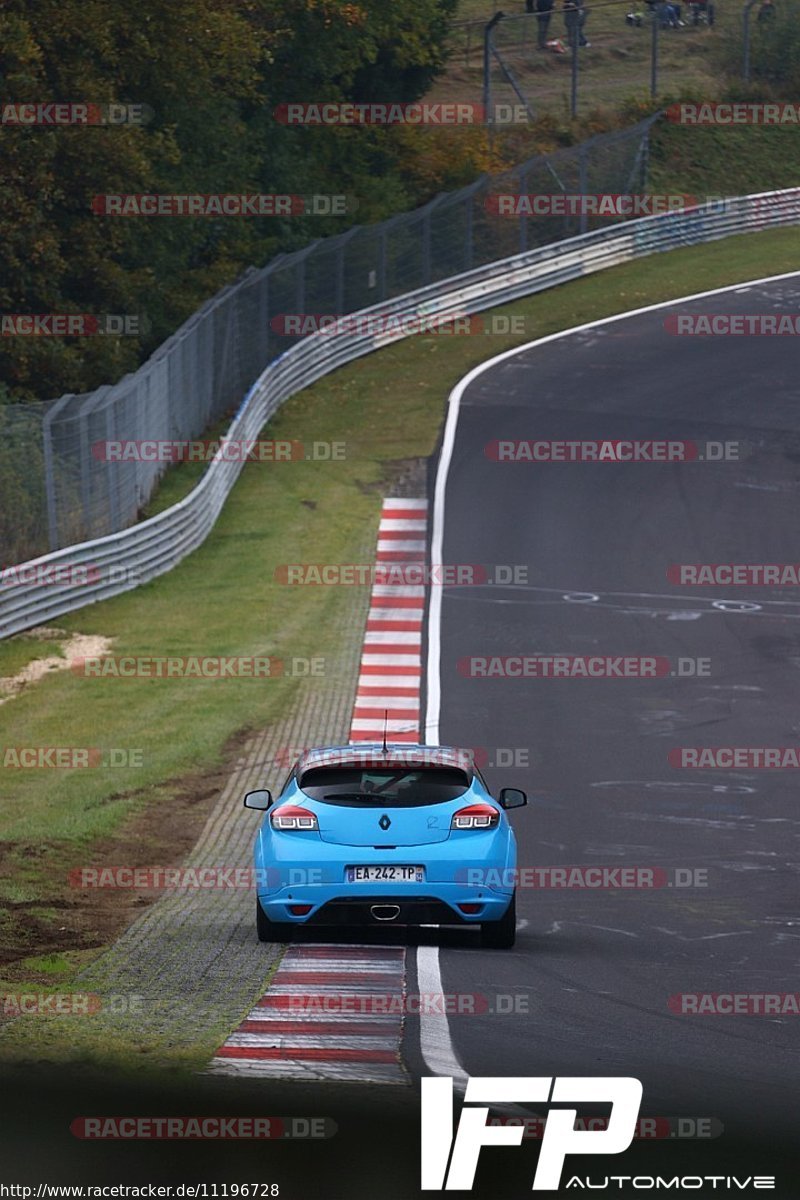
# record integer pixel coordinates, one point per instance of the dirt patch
(161, 831)
(80, 645)
(400, 477)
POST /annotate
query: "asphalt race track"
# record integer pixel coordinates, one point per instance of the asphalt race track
(590, 988)
(596, 968)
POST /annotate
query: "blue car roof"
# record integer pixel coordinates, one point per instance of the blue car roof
(397, 754)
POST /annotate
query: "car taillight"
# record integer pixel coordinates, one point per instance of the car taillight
(292, 816)
(476, 816)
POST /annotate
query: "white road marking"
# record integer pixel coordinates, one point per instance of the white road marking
(436, 1044)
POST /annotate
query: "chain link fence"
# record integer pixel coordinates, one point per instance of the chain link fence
(60, 484)
(637, 48)
(23, 503)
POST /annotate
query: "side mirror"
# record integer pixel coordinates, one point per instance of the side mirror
(512, 798)
(260, 800)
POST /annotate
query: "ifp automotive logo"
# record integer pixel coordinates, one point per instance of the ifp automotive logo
(441, 1150)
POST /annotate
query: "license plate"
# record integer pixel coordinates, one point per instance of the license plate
(385, 874)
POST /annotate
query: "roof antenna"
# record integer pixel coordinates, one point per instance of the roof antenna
(385, 724)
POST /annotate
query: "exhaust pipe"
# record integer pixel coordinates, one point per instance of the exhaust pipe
(385, 912)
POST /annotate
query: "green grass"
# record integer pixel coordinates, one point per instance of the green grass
(723, 161)
(56, 966)
(388, 408)
(105, 1042)
(18, 652)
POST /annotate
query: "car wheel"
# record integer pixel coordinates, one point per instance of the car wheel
(501, 935)
(271, 931)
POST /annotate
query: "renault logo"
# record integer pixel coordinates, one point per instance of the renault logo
(384, 822)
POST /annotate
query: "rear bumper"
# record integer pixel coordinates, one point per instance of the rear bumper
(393, 905)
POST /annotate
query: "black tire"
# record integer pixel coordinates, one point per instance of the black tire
(271, 931)
(501, 935)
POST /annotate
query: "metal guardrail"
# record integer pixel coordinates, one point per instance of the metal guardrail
(97, 570)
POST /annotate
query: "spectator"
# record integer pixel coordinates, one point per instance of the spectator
(703, 8)
(671, 15)
(575, 15)
(584, 14)
(544, 8)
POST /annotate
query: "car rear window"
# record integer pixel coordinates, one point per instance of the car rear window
(371, 787)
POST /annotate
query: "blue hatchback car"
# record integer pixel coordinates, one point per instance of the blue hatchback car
(398, 834)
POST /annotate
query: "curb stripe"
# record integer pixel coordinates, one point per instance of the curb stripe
(391, 665)
(311, 1053)
(305, 1026)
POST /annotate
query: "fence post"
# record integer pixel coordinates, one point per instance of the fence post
(573, 100)
(113, 492)
(487, 65)
(264, 316)
(654, 51)
(344, 240)
(746, 40)
(426, 236)
(86, 466)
